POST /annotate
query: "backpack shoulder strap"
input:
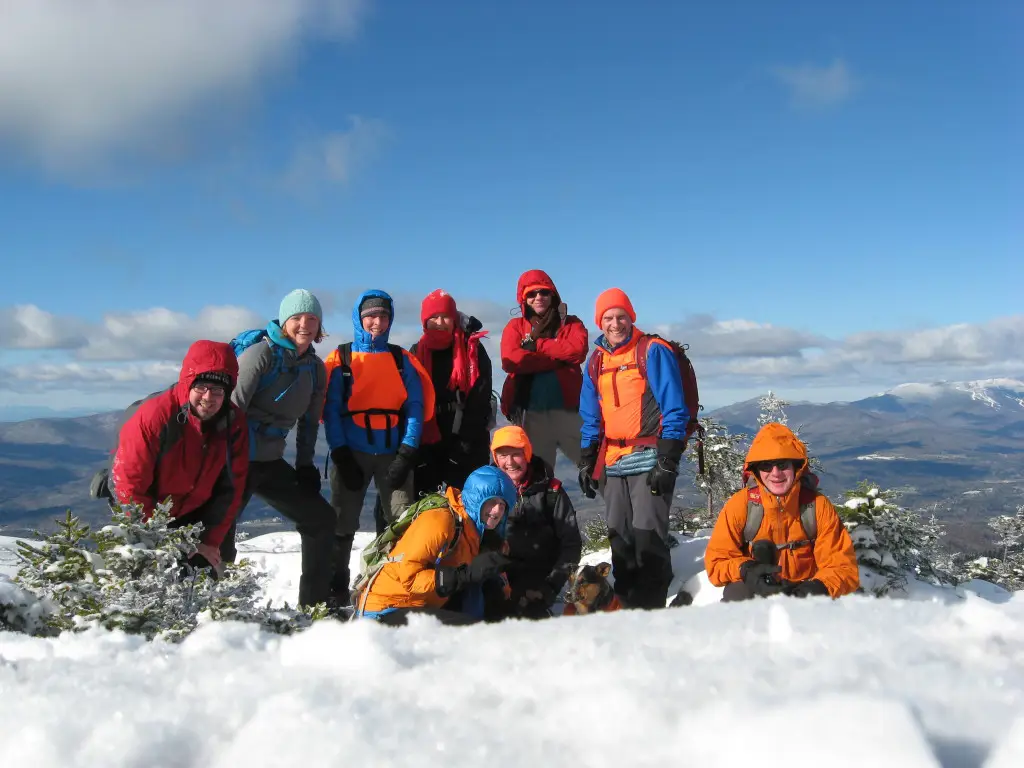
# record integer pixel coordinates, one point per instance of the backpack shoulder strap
(595, 364)
(399, 355)
(755, 514)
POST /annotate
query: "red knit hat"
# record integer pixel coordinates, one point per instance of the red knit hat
(611, 299)
(438, 302)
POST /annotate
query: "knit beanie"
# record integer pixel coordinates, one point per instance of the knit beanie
(299, 302)
(217, 378)
(611, 299)
(437, 302)
(374, 305)
(512, 437)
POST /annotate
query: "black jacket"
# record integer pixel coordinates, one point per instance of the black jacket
(543, 536)
(476, 412)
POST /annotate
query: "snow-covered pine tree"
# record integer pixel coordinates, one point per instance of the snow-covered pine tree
(595, 535)
(131, 576)
(890, 540)
(773, 409)
(1009, 567)
(724, 454)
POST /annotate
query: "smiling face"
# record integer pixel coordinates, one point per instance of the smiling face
(492, 512)
(616, 325)
(376, 324)
(777, 476)
(512, 461)
(539, 300)
(206, 400)
(302, 329)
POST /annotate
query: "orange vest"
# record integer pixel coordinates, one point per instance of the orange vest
(628, 408)
(376, 386)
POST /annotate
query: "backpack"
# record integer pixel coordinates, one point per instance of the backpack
(307, 363)
(170, 433)
(377, 553)
(808, 515)
(344, 362)
(691, 396)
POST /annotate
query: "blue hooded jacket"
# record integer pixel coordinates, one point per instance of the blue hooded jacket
(342, 430)
(482, 485)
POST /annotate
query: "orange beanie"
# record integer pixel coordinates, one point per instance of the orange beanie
(610, 299)
(512, 437)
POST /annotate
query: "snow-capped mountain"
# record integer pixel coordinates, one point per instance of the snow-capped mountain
(994, 394)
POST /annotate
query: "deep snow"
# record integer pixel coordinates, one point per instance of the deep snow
(935, 680)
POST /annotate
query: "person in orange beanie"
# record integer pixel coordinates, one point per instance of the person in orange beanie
(632, 439)
(543, 537)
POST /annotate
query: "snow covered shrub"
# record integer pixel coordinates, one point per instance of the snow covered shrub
(21, 611)
(131, 575)
(891, 541)
(595, 535)
(1007, 570)
(724, 454)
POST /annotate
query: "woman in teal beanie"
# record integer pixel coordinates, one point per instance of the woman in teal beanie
(281, 383)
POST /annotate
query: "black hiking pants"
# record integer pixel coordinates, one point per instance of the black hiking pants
(276, 483)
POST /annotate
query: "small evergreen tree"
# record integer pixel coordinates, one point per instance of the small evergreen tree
(132, 575)
(773, 409)
(724, 454)
(891, 541)
(595, 535)
(1009, 568)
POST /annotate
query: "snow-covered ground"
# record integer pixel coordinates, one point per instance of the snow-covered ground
(934, 680)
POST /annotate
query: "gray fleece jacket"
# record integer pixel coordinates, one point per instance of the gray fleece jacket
(292, 399)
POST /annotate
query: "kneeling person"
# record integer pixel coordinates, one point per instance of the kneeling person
(543, 536)
(438, 557)
(780, 556)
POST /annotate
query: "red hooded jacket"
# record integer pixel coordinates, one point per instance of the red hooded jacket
(563, 354)
(192, 469)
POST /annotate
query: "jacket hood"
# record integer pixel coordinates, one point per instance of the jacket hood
(276, 334)
(539, 278)
(775, 441)
(207, 357)
(482, 485)
(539, 477)
(363, 341)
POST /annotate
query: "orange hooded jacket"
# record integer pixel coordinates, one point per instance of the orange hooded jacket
(831, 560)
(409, 582)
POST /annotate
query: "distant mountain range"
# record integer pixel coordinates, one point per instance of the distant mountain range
(957, 446)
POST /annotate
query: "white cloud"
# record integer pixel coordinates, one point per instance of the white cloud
(816, 86)
(97, 378)
(26, 326)
(81, 80)
(334, 157)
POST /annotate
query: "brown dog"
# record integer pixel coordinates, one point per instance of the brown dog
(590, 592)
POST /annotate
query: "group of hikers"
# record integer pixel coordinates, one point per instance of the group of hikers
(481, 526)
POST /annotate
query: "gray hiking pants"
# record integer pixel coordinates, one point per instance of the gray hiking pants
(638, 531)
(348, 505)
(550, 430)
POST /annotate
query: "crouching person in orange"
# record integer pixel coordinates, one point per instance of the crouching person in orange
(436, 567)
(778, 535)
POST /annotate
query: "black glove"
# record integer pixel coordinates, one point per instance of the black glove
(348, 469)
(308, 478)
(450, 579)
(662, 479)
(588, 463)
(809, 588)
(401, 466)
(529, 344)
(760, 578)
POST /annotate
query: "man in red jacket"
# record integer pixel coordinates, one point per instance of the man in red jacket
(542, 352)
(189, 443)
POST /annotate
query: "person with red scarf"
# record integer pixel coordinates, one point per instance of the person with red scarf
(456, 440)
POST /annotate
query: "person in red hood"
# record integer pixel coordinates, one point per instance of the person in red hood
(203, 469)
(542, 352)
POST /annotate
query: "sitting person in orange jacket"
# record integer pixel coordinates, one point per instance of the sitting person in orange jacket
(437, 562)
(781, 556)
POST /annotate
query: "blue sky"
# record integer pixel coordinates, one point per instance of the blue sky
(822, 200)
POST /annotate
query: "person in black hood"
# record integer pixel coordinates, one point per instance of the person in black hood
(543, 537)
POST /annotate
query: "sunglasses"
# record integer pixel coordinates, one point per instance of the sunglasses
(768, 466)
(544, 293)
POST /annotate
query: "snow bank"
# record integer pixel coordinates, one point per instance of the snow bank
(781, 679)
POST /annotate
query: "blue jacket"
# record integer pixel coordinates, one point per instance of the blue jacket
(664, 381)
(342, 430)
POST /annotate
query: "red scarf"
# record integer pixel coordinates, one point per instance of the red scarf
(465, 365)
